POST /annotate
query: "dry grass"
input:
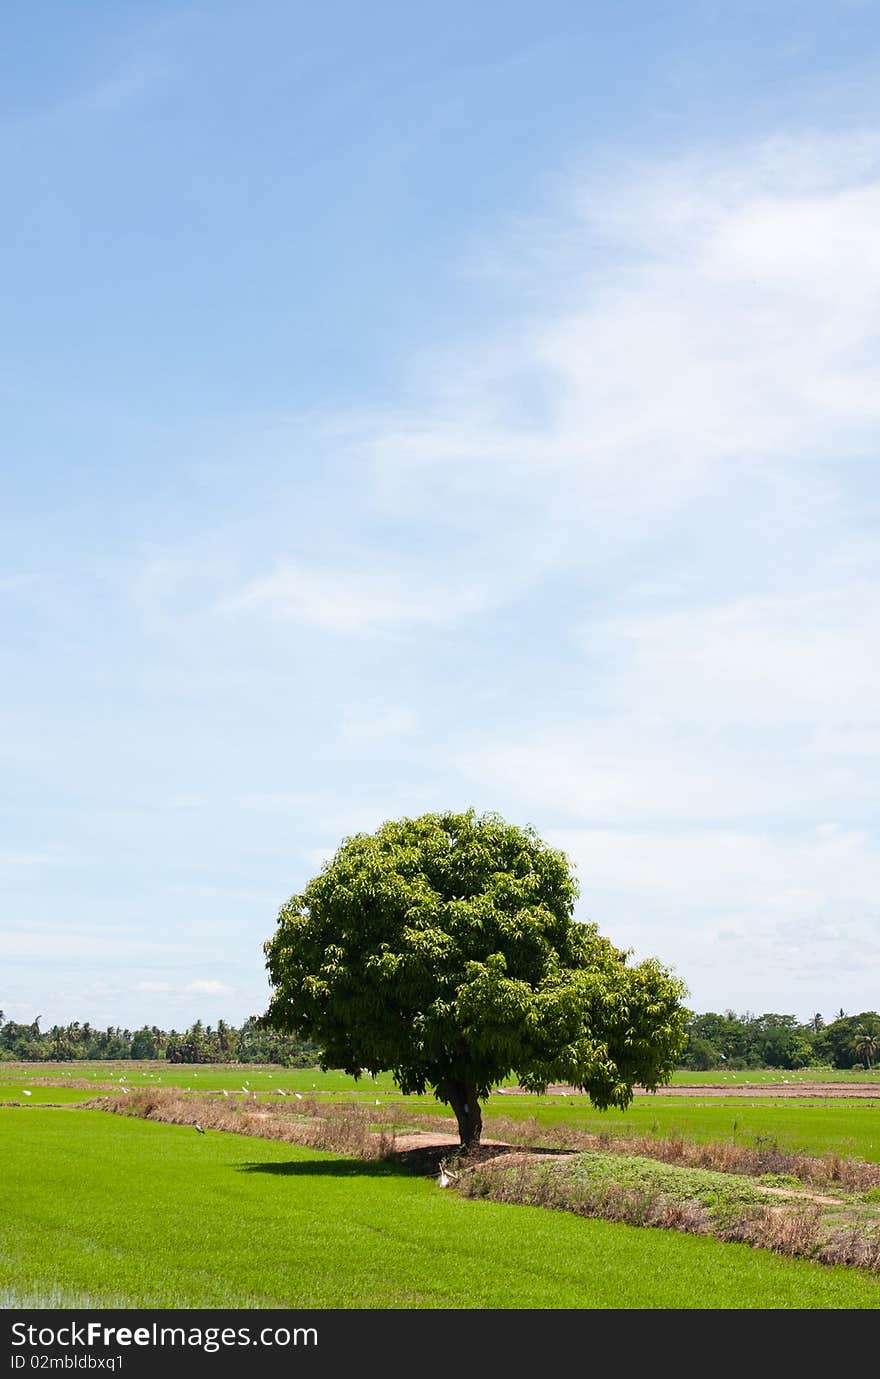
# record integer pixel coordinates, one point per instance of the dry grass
(803, 1231)
(341, 1129)
(542, 1185)
(815, 1171)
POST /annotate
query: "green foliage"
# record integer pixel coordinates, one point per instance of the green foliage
(866, 1043)
(773, 1041)
(444, 948)
(252, 1043)
(723, 1195)
(837, 1039)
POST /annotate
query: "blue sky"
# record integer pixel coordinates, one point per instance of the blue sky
(422, 407)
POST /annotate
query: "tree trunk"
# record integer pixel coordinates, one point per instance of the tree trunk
(462, 1097)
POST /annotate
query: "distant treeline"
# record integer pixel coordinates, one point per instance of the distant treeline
(714, 1041)
(220, 1043)
(780, 1041)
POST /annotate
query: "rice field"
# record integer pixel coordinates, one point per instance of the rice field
(261, 1078)
(126, 1212)
(105, 1210)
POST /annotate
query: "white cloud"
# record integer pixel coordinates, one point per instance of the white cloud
(657, 472)
(751, 920)
(695, 324)
(701, 346)
(800, 875)
(208, 986)
(358, 602)
(770, 657)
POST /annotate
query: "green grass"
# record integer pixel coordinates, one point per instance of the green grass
(207, 1077)
(722, 1194)
(15, 1091)
(848, 1128)
(214, 1076)
(129, 1212)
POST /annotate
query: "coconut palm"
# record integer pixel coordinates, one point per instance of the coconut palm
(866, 1044)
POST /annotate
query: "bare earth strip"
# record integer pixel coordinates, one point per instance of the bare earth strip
(845, 1090)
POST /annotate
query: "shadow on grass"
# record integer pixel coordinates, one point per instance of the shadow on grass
(422, 1162)
(328, 1168)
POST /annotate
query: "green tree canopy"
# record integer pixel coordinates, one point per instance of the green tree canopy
(444, 949)
(866, 1043)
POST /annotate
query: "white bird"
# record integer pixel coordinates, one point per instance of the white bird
(563, 1093)
(198, 1127)
(378, 1103)
(444, 1179)
(298, 1096)
(124, 1089)
(224, 1091)
(244, 1089)
(279, 1091)
(26, 1092)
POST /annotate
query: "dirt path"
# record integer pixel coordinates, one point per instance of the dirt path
(776, 1090)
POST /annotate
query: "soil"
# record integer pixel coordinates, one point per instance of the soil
(776, 1090)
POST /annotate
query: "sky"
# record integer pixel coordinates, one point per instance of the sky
(424, 407)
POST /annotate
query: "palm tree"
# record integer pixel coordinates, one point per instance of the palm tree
(866, 1044)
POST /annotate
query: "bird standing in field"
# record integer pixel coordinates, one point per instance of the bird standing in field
(196, 1126)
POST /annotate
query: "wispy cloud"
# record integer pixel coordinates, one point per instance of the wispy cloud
(643, 506)
(710, 316)
(208, 986)
(356, 601)
(700, 346)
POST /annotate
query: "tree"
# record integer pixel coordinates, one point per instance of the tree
(444, 949)
(836, 1040)
(866, 1044)
(143, 1043)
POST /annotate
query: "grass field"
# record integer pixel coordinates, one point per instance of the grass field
(105, 1211)
(216, 1076)
(849, 1128)
(30, 1094)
